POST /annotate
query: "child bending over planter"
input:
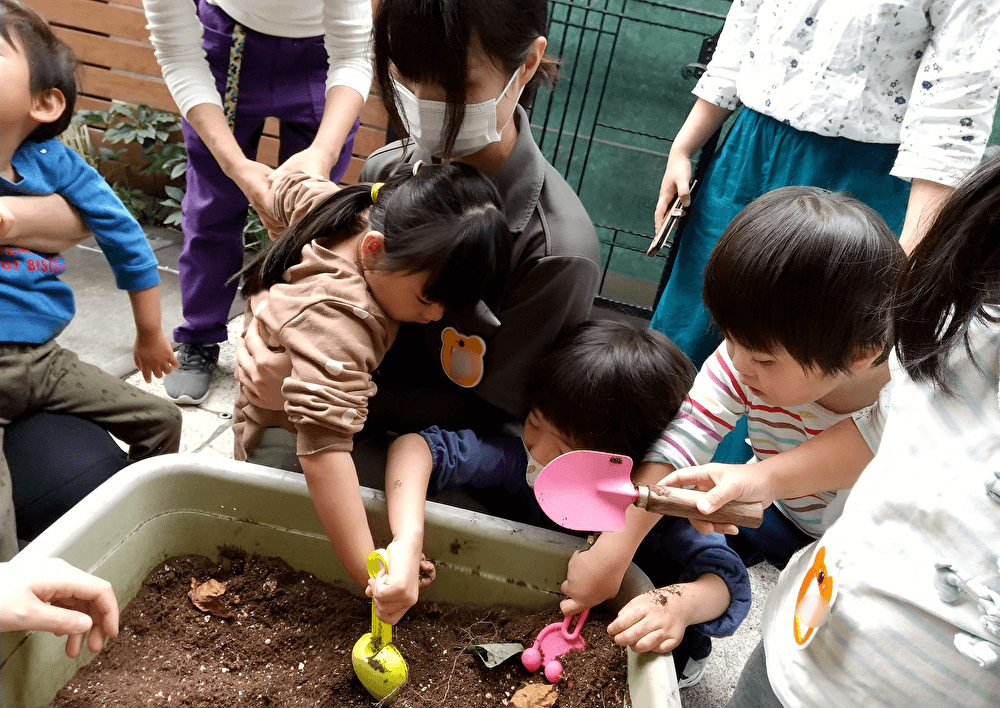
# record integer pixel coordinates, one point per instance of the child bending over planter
(798, 284)
(605, 386)
(329, 295)
(37, 95)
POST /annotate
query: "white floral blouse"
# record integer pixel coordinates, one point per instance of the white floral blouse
(921, 73)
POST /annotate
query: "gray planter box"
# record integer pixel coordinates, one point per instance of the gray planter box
(178, 504)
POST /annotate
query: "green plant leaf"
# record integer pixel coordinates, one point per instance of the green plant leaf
(174, 192)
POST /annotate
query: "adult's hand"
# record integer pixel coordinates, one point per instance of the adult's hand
(341, 108)
(53, 596)
(676, 182)
(253, 180)
(703, 120)
(298, 193)
(7, 220)
(261, 371)
(45, 224)
(250, 176)
(310, 161)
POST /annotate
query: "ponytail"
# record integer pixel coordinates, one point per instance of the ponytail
(952, 277)
(445, 220)
(340, 216)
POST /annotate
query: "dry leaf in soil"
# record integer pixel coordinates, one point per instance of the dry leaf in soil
(207, 596)
(535, 695)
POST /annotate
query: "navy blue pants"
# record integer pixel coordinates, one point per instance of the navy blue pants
(55, 461)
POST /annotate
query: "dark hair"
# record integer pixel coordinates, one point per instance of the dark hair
(51, 62)
(951, 278)
(445, 220)
(611, 386)
(805, 270)
(430, 40)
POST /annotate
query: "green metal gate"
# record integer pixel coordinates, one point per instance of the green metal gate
(628, 67)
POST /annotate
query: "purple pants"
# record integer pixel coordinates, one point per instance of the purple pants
(280, 77)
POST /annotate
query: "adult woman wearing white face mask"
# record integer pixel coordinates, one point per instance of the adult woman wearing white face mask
(451, 76)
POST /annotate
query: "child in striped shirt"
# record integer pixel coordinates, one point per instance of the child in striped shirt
(798, 284)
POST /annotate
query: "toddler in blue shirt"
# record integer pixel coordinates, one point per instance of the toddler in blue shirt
(37, 95)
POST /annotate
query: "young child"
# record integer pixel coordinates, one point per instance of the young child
(37, 95)
(798, 284)
(330, 294)
(606, 386)
(909, 571)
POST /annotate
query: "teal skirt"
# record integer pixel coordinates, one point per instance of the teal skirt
(759, 155)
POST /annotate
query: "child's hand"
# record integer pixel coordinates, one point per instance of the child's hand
(396, 591)
(654, 621)
(592, 577)
(153, 354)
(53, 596)
(6, 221)
(721, 484)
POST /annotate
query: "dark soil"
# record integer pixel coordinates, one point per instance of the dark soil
(289, 642)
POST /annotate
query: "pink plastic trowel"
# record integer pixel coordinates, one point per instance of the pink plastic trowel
(586, 490)
(554, 641)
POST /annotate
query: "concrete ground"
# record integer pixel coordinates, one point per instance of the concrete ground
(102, 334)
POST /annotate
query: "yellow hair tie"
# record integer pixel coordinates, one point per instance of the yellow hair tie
(416, 166)
(375, 190)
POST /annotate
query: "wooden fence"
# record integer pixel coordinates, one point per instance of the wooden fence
(117, 63)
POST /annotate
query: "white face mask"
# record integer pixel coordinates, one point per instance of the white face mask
(533, 469)
(425, 121)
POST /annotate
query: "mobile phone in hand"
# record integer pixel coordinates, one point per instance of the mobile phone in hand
(666, 232)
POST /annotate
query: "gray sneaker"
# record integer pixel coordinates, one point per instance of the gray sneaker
(190, 383)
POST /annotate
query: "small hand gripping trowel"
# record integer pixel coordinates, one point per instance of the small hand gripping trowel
(586, 490)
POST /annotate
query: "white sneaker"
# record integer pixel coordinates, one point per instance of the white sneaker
(692, 672)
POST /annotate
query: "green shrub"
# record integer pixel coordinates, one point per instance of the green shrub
(155, 130)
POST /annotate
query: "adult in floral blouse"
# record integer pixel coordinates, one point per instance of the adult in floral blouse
(890, 102)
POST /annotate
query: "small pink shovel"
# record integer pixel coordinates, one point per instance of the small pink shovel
(554, 641)
(586, 490)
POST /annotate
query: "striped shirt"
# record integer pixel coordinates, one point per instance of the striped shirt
(914, 558)
(715, 404)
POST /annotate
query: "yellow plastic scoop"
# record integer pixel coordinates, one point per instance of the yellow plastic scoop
(378, 664)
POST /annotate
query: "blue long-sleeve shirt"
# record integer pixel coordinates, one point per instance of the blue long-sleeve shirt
(673, 552)
(35, 306)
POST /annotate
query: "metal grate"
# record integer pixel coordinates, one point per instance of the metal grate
(627, 70)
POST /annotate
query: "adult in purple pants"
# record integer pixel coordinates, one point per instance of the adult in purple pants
(229, 65)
